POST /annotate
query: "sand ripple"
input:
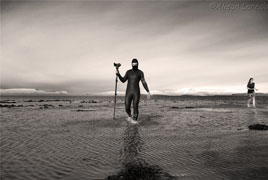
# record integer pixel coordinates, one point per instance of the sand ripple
(168, 143)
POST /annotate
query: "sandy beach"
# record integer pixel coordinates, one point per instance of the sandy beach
(176, 138)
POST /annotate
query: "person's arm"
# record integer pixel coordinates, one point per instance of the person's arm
(122, 79)
(254, 88)
(145, 85)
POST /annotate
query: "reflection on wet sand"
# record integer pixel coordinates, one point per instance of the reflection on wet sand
(133, 166)
(252, 116)
(253, 122)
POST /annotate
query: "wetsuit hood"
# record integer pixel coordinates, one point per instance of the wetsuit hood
(135, 64)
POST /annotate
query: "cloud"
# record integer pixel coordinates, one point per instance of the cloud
(205, 91)
(71, 46)
(26, 91)
(110, 93)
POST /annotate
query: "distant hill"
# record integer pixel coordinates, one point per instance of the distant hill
(188, 93)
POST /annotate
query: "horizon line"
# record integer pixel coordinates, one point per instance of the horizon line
(111, 95)
(181, 92)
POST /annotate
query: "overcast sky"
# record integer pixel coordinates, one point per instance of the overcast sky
(181, 46)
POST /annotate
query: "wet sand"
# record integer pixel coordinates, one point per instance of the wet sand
(176, 138)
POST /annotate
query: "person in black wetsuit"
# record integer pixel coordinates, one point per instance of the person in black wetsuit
(251, 92)
(133, 76)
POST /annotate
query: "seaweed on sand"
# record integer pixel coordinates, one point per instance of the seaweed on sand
(141, 172)
(258, 127)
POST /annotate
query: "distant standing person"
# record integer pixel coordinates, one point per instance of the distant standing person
(133, 76)
(251, 92)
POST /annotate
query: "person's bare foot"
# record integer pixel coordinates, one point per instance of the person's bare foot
(133, 121)
(129, 119)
